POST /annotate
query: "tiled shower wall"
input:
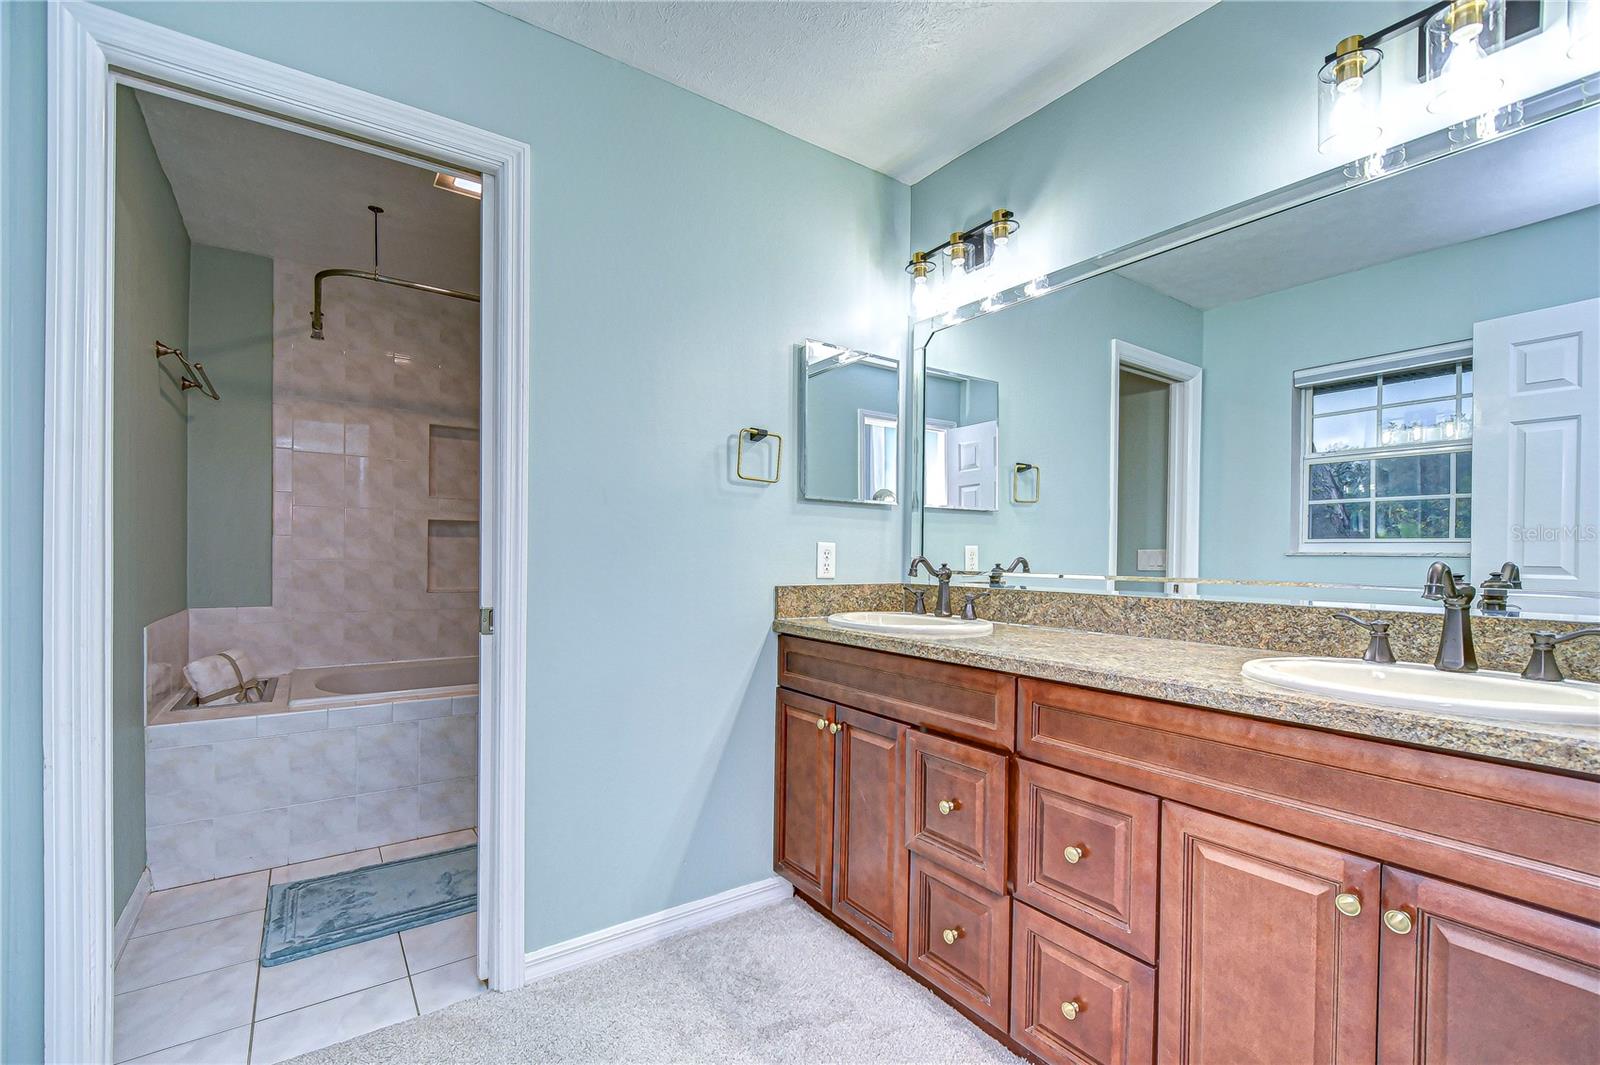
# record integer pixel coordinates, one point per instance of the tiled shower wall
(374, 468)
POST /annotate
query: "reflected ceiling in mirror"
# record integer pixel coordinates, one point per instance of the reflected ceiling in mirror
(1405, 370)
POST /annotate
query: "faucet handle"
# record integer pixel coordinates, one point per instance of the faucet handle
(969, 609)
(1378, 649)
(919, 602)
(1542, 664)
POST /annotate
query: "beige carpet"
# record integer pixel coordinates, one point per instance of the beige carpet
(778, 984)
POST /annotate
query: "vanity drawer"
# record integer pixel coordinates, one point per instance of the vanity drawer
(961, 940)
(1074, 999)
(956, 808)
(1088, 854)
(977, 704)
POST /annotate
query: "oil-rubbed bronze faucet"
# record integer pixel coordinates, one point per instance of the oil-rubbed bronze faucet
(1455, 642)
(942, 575)
(1495, 590)
(1542, 664)
(997, 576)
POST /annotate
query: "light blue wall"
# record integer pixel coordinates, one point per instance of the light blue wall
(22, 277)
(650, 740)
(230, 441)
(149, 455)
(1218, 111)
(1252, 349)
(1052, 358)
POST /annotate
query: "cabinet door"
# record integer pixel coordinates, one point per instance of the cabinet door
(1257, 962)
(802, 830)
(869, 843)
(1474, 978)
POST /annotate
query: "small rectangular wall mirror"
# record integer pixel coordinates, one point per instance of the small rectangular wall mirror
(1401, 370)
(849, 425)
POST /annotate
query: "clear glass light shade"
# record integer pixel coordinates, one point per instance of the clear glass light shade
(1583, 31)
(1460, 39)
(1349, 99)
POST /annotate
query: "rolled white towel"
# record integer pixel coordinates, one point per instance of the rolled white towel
(228, 676)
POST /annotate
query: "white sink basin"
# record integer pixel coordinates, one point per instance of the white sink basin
(896, 624)
(1501, 696)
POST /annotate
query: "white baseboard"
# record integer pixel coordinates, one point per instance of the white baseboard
(130, 914)
(653, 927)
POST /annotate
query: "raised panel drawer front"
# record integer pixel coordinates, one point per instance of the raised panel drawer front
(1259, 962)
(961, 940)
(1470, 977)
(1525, 833)
(870, 865)
(1074, 999)
(1088, 854)
(956, 813)
(977, 704)
(802, 830)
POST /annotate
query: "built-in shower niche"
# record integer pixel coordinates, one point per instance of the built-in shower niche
(453, 463)
(452, 555)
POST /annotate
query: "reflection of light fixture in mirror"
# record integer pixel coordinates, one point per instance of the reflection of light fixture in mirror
(1349, 94)
(1038, 286)
(461, 186)
(1460, 37)
(1488, 125)
(1583, 29)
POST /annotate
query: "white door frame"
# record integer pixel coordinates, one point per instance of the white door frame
(1183, 456)
(91, 50)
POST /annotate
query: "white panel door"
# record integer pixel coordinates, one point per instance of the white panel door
(972, 462)
(1536, 447)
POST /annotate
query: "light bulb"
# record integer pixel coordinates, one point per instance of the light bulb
(922, 298)
(1351, 126)
(1464, 82)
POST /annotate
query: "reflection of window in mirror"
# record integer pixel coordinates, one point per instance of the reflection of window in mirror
(878, 455)
(1385, 453)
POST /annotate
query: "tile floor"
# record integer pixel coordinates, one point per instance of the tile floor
(190, 986)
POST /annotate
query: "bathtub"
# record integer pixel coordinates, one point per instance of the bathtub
(380, 682)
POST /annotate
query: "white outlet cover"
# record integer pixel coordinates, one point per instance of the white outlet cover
(971, 559)
(827, 559)
(1152, 558)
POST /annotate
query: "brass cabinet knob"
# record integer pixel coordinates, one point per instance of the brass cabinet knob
(834, 728)
(822, 723)
(1397, 921)
(948, 806)
(1069, 1010)
(1347, 904)
(1073, 855)
(951, 935)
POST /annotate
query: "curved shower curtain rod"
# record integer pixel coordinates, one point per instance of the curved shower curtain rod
(373, 275)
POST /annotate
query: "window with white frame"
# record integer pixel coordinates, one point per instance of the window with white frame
(1386, 453)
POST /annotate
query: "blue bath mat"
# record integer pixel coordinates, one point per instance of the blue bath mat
(328, 912)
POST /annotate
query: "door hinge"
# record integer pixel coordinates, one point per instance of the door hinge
(486, 621)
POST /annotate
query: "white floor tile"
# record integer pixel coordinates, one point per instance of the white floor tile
(447, 985)
(334, 1021)
(428, 845)
(440, 943)
(198, 903)
(198, 948)
(182, 1011)
(328, 975)
(338, 863)
(227, 1048)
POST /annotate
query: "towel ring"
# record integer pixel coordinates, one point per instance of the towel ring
(1016, 478)
(756, 436)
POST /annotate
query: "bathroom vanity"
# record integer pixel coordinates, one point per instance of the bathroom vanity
(1173, 864)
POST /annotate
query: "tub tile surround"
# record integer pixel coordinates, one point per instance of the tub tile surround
(232, 795)
(374, 437)
(1501, 643)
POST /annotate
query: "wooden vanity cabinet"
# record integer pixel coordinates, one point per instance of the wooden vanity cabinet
(1099, 878)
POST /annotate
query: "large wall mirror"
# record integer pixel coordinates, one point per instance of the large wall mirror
(1314, 404)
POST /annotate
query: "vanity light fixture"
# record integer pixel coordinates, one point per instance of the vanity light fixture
(1459, 39)
(964, 255)
(461, 186)
(1349, 95)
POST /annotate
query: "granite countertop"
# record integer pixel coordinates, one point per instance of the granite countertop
(1207, 675)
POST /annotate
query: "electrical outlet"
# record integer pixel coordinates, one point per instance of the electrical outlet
(971, 560)
(826, 559)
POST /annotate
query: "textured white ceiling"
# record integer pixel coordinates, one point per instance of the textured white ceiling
(1537, 174)
(900, 87)
(255, 188)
